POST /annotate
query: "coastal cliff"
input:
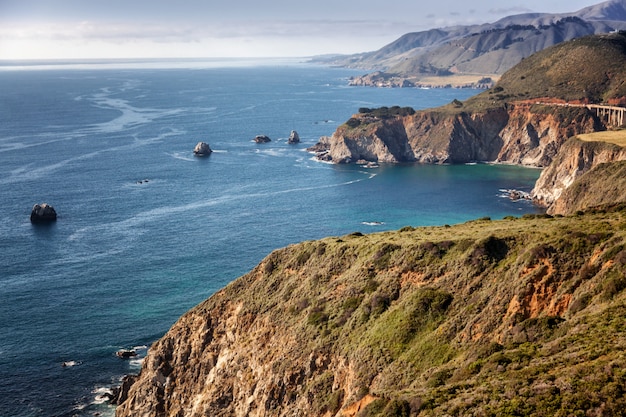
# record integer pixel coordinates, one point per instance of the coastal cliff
(518, 133)
(491, 318)
(524, 119)
(511, 317)
(575, 159)
(604, 183)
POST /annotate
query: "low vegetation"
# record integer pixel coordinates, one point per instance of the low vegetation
(556, 72)
(616, 137)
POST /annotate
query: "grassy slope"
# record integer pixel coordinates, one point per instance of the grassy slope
(591, 68)
(514, 317)
(616, 137)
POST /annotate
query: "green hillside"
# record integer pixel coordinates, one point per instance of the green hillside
(586, 70)
(519, 317)
(591, 68)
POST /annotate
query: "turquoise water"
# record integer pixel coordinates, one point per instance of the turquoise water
(146, 230)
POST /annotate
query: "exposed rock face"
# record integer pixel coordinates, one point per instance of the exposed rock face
(262, 139)
(574, 159)
(520, 133)
(202, 149)
(603, 184)
(293, 137)
(43, 213)
(435, 321)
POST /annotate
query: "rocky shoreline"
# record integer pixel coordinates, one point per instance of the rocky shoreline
(380, 79)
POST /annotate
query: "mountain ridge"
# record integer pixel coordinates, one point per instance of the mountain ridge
(480, 51)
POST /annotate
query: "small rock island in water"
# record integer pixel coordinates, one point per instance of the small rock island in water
(202, 149)
(262, 139)
(43, 213)
(293, 137)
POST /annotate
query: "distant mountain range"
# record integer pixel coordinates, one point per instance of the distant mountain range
(478, 51)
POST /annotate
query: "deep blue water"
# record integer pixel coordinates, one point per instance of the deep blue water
(146, 230)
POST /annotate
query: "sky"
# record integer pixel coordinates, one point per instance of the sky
(88, 29)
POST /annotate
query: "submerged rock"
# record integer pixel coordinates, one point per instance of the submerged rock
(293, 137)
(43, 213)
(202, 149)
(126, 353)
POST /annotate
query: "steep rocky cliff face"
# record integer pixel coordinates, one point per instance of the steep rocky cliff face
(515, 317)
(518, 133)
(575, 159)
(604, 183)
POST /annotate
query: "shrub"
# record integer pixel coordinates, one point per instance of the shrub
(352, 303)
(317, 317)
(615, 284)
(439, 378)
(353, 122)
(541, 251)
(490, 250)
(397, 408)
(428, 305)
(383, 254)
(374, 408)
(379, 303)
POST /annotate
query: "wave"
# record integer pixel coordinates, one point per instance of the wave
(271, 152)
(130, 116)
(129, 228)
(135, 364)
(373, 223)
(29, 172)
(182, 156)
(102, 395)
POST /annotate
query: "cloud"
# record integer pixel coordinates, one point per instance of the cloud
(116, 31)
(509, 11)
(251, 38)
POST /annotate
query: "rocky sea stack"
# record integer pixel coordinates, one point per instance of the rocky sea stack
(262, 139)
(293, 137)
(43, 213)
(202, 149)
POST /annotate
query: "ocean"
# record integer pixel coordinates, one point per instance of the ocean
(145, 230)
